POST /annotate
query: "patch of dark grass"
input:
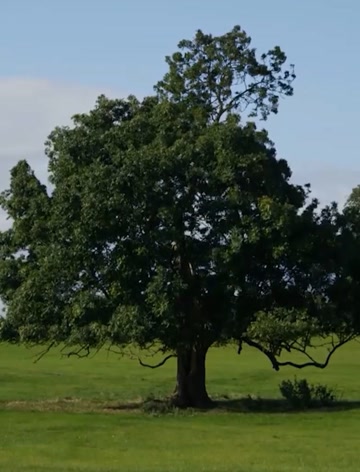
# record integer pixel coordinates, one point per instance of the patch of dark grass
(225, 404)
(250, 404)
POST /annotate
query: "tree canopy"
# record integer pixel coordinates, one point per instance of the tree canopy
(172, 222)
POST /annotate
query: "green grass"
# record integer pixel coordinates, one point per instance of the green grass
(55, 416)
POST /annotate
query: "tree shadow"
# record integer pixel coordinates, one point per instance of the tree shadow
(274, 405)
(244, 405)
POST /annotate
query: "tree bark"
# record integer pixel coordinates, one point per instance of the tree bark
(190, 388)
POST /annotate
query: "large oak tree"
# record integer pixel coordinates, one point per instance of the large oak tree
(171, 222)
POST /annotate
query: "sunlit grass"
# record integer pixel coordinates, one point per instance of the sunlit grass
(61, 414)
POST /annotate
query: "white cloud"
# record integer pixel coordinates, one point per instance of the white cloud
(29, 111)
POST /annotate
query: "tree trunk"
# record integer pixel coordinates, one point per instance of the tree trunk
(190, 388)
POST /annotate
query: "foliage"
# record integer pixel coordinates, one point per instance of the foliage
(353, 201)
(222, 74)
(301, 394)
(173, 223)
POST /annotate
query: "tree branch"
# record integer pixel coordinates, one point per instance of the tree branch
(237, 96)
(156, 365)
(78, 353)
(44, 352)
(302, 351)
(111, 349)
(99, 284)
(267, 353)
(313, 363)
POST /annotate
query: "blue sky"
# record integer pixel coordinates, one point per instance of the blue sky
(57, 56)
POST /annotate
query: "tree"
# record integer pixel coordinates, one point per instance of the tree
(172, 223)
(353, 201)
(346, 290)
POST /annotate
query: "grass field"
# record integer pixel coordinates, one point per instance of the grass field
(63, 414)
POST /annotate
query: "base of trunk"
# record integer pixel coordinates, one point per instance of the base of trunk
(190, 391)
(181, 401)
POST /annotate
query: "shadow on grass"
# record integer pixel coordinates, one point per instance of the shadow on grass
(164, 406)
(234, 405)
(267, 405)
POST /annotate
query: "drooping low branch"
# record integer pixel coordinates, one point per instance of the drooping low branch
(268, 354)
(44, 352)
(78, 353)
(82, 352)
(112, 349)
(156, 365)
(276, 364)
(313, 362)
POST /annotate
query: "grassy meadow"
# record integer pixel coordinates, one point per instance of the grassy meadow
(68, 414)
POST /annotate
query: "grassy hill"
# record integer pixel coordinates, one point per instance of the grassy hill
(68, 414)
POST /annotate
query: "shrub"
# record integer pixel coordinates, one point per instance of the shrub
(324, 395)
(301, 394)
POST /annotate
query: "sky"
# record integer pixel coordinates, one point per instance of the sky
(58, 56)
